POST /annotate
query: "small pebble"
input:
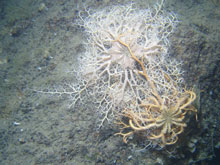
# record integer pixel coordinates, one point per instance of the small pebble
(16, 123)
(21, 140)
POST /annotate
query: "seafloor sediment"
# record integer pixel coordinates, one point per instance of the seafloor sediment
(39, 44)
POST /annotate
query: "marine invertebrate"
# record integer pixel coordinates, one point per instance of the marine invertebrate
(127, 72)
(111, 68)
(161, 117)
(164, 122)
(138, 79)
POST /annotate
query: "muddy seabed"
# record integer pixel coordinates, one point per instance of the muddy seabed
(39, 43)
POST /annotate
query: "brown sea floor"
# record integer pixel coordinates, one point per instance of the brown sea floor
(39, 43)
